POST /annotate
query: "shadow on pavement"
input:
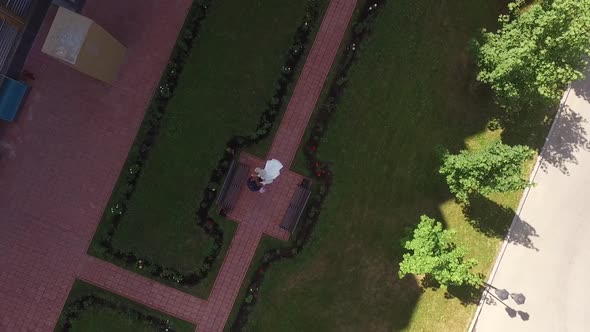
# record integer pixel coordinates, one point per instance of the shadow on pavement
(492, 300)
(522, 233)
(494, 220)
(568, 137)
(582, 87)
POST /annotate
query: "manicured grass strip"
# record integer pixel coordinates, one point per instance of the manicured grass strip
(261, 148)
(89, 309)
(229, 229)
(109, 320)
(409, 94)
(223, 89)
(267, 243)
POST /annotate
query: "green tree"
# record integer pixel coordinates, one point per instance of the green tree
(537, 51)
(433, 253)
(497, 168)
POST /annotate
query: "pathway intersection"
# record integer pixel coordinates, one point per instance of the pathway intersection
(54, 192)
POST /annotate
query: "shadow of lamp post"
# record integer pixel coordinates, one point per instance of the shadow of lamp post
(502, 295)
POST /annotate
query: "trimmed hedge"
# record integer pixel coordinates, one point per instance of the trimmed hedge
(319, 170)
(74, 310)
(150, 130)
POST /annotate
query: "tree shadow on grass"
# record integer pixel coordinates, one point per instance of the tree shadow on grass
(487, 217)
(527, 127)
(494, 220)
(428, 282)
(408, 292)
(466, 294)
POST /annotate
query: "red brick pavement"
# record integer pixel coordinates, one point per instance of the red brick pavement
(138, 288)
(310, 83)
(265, 211)
(258, 213)
(61, 159)
(230, 277)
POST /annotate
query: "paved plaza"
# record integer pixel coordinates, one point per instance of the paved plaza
(60, 160)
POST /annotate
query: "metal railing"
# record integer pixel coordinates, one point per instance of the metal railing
(8, 37)
(19, 7)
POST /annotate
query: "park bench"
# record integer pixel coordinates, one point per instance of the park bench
(235, 179)
(296, 206)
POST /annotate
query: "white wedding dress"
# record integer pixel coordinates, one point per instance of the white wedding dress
(271, 171)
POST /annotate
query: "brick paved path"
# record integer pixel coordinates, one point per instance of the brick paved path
(60, 160)
(138, 288)
(262, 213)
(311, 81)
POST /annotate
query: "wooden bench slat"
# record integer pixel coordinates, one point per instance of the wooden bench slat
(296, 207)
(230, 190)
(226, 182)
(238, 181)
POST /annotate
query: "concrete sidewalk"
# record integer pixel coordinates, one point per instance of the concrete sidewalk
(546, 256)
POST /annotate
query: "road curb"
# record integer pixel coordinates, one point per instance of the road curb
(523, 199)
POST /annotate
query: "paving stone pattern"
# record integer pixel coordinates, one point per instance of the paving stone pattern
(138, 288)
(309, 86)
(60, 160)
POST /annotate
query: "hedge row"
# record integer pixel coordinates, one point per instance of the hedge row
(74, 310)
(319, 170)
(150, 130)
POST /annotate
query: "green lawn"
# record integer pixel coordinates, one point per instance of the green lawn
(227, 81)
(266, 243)
(108, 320)
(101, 318)
(410, 93)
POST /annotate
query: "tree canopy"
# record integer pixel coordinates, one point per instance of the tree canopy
(497, 168)
(537, 51)
(433, 253)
